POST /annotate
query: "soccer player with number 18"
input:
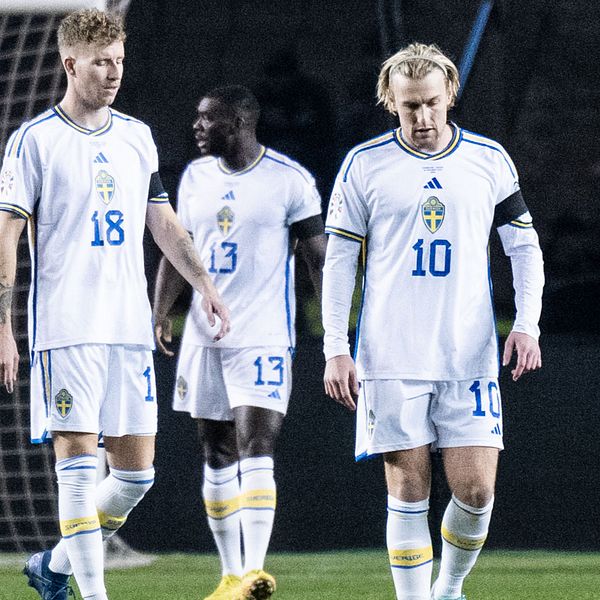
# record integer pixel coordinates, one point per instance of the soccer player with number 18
(85, 179)
(421, 202)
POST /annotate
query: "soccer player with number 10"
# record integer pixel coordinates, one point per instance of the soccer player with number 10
(421, 201)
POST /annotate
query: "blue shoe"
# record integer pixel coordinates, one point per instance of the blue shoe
(48, 584)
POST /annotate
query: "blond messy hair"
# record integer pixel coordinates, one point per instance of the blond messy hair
(415, 61)
(90, 27)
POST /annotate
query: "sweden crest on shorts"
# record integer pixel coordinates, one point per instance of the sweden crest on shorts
(433, 213)
(182, 387)
(225, 219)
(64, 403)
(105, 186)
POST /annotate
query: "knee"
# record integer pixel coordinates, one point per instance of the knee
(220, 456)
(254, 446)
(474, 493)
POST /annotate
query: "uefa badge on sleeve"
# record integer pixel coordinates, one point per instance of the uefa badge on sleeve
(335, 205)
(64, 403)
(7, 181)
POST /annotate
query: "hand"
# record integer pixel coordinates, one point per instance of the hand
(529, 355)
(163, 332)
(9, 361)
(340, 381)
(212, 305)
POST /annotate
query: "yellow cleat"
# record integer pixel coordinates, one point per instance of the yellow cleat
(228, 588)
(256, 585)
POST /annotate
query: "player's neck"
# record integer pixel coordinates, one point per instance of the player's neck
(83, 115)
(243, 156)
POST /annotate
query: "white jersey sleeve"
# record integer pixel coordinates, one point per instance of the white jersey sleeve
(305, 201)
(21, 176)
(338, 284)
(348, 213)
(521, 244)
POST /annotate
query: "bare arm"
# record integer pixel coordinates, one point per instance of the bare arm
(178, 248)
(313, 251)
(11, 227)
(168, 287)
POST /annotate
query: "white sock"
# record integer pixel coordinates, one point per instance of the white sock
(464, 530)
(409, 548)
(221, 491)
(258, 499)
(116, 496)
(79, 523)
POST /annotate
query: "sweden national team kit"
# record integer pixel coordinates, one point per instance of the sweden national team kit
(85, 194)
(427, 351)
(240, 222)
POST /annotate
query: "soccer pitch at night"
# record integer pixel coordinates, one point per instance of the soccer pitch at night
(358, 575)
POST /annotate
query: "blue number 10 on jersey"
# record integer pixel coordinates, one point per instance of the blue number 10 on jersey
(440, 254)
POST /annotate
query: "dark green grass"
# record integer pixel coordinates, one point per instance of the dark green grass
(361, 575)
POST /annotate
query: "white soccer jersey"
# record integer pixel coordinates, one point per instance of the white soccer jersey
(424, 222)
(240, 224)
(85, 194)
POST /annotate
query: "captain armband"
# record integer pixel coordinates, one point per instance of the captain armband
(508, 211)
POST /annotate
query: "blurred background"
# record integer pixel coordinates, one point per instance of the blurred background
(530, 81)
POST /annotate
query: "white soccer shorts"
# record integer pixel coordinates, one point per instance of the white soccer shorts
(93, 388)
(397, 414)
(211, 382)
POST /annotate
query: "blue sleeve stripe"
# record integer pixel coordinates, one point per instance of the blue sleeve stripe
(376, 143)
(20, 144)
(503, 154)
(281, 162)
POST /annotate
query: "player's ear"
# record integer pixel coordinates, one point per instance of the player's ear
(69, 65)
(239, 122)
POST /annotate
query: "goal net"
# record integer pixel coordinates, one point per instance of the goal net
(31, 80)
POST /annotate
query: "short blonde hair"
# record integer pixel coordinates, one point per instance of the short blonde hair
(90, 27)
(415, 61)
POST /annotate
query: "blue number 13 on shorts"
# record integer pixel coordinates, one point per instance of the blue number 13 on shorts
(273, 370)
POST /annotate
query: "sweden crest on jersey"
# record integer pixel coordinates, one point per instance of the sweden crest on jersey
(63, 402)
(105, 186)
(225, 219)
(433, 213)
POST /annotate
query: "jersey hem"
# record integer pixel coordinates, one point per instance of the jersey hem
(84, 342)
(362, 376)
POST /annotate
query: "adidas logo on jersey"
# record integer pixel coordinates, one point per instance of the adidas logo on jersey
(275, 394)
(497, 430)
(434, 184)
(228, 196)
(100, 158)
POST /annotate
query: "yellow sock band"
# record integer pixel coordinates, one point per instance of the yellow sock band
(72, 527)
(463, 543)
(411, 557)
(221, 509)
(260, 499)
